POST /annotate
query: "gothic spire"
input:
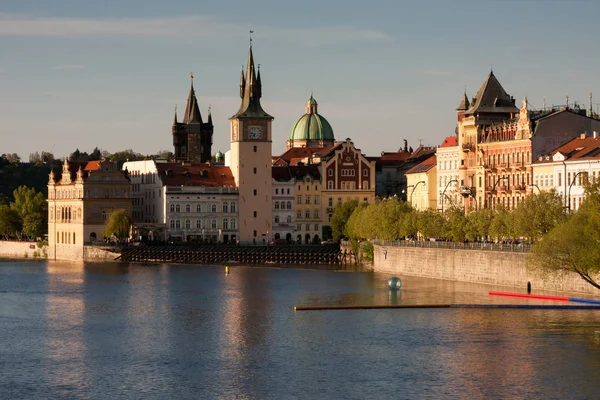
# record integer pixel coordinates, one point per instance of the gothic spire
(175, 119)
(192, 111)
(252, 91)
(242, 83)
(209, 116)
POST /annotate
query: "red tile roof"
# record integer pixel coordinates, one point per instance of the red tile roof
(423, 166)
(450, 141)
(92, 165)
(577, 149)
(173, 174)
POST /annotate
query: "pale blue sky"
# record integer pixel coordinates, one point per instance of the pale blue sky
(80, 74)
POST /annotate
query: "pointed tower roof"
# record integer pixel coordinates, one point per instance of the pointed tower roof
(251, 93)
(175, 119)
(492, 98)
(192, 111)
(464, 103)
(209, 116)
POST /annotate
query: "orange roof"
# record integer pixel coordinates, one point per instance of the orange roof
(173, 174)
(450, 141)
(578, 148)
(92, 165)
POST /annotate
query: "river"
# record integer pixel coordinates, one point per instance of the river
(116, 331)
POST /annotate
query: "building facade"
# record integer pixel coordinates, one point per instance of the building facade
(80, 200)
(283, 203)
(250, 159)
(307, 207)
(447, 157)
(422, 185)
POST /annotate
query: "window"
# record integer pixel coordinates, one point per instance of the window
(307, 199)
(255, 233)
(172, 224)
(177, 208)
(233, 223)
(199, 208)
(316, 200)
(188, 224)
(330, 185)
(330, 172)
(299, 200)
(317, 227)
(254, 170)
(289, 205)
(232, 207)
(255, 152)
(255, 214)
(277, 219)
(276, 191)
(277, 205)
(330, 202)
(299, 214)
(171, 208)
(213, 208)
(365, 172)
(299, 227)
(73, 237)
(225, 207)
(316, 214)
(307, 214)
(177, 224)
(225, 223)
(308, 227)
(289, 219)
(559, 179)
(255, 192)
(187, 208)
(199, 224)
(213, 224)
(365, 185)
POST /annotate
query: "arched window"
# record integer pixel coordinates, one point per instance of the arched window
(187, 208)
(225, 223)
(177, 224)
(199, 208)
(365, 172)
(177, 208)
(225, 207)
(232, 207)
(289, 205)
(199, 224)
(277, 205)
(214, 224)
(172, 208)
(277, 219)
(188, 224)
(289, 219)
(172, 224)
(213, 208)
(330, 185)
(233, 223)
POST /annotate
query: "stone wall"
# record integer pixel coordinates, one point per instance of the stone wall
(96, 253)
(10, 249)
(488, 267)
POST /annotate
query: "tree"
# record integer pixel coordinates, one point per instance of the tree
(12, 158)
(538, 214)
(501, 226)
(479, 222)
(10, 223)
(35, 158)
(430, 224)
(32, 210)
(456, 225)
(118, 224)
(341, 214)
(573, 246)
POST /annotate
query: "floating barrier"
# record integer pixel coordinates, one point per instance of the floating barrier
(576, 300)
(516, 306)
(530, 296)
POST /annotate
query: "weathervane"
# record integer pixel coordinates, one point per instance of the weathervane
(251, 32)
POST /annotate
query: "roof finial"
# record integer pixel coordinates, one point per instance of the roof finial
(192, 78)
(491, 69)
(544, 103)
(209, 107)
(251, 32)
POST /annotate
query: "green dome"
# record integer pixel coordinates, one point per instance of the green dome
(219, 155)
(311, 126)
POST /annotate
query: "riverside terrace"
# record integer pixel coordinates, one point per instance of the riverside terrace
(511, 247)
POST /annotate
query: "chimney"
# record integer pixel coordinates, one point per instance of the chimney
(405, 145)
(582, 136)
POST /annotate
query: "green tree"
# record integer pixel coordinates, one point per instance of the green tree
(479, 222)
(538, 214)
(32, 209)
(572, 246)
(118, 224)
(430, 224)
(500, 228)
(10, 223)
(455, 227)
(339, 219)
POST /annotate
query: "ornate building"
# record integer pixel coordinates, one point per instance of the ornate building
(250, 158)
(192, 138)
(311, 129)
(80, 200)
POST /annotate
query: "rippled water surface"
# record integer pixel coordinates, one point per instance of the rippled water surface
(111, 331)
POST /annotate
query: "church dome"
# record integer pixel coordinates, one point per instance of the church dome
(311, 126)
(219, 156)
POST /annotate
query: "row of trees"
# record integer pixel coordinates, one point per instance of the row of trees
(26, 216)
(563, 242)
(391, 218)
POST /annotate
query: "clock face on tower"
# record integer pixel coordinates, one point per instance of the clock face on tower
(254, 132)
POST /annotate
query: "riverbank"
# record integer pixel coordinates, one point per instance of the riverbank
(500, 268)
(17, 250)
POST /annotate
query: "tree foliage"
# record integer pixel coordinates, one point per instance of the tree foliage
(538, 214)
(118, 224)
(341, 214)
(10, 223)
(32, 210)
(573, 245)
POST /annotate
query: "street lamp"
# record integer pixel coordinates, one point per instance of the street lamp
(534, 185)
(413, 190)
(569, 191)
(444, 192)
(494, 188)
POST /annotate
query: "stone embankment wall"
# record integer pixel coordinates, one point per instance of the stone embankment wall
(488, 267)
(30, 250)
(24, 250)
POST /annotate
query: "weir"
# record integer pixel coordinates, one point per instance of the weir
(321, 255)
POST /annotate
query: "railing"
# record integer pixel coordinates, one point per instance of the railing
(467, 146)
(511, 247)
(490, 167)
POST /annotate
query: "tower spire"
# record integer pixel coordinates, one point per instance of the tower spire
(252, 90)
(192, 111)
(175, 119)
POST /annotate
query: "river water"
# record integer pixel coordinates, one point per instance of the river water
(114, 331)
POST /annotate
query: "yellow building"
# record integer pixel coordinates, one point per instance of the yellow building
(422, 184)
(80, 200)
(307, 206)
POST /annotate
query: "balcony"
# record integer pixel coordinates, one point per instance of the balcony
(490, 167)
(520, 188)
(467, 147)
(466, 191)
(329, 209)
(502, 165)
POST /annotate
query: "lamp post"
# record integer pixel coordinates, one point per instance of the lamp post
(569, 191)
(494, 188)
(444, 192)
(534, 185)
(413, 190)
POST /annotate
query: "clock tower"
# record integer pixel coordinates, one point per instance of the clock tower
(250, 158)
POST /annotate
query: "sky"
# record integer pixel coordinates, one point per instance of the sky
(79, 74)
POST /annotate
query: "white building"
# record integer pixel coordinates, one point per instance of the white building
(448, 194)
(283, 203)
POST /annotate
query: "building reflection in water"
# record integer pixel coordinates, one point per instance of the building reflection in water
(245, 327)
(64, 323)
